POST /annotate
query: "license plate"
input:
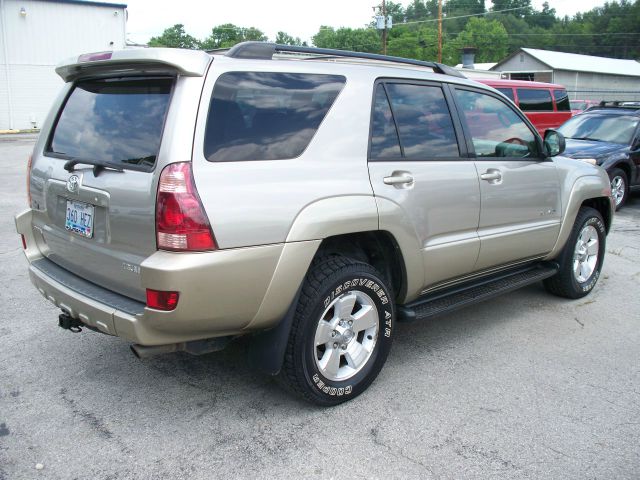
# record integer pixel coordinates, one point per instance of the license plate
(79, 218)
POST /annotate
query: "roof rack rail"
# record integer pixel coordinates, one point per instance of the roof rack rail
(625, 104)
(266, 50)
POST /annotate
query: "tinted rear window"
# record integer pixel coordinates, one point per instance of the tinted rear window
(118, 121)
(531, 100)
(562, 100)
(266, 116)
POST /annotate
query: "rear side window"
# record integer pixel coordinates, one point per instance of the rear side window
(562, 100)
(534, 100)
(117, 121)
(424, 122)
(266, 116)
(508, 92)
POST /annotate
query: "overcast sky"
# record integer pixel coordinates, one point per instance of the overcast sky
(298, 18)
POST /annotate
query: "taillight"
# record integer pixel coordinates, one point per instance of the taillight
(29, 162)
(162, 300)
(181, 222)
(24, 241)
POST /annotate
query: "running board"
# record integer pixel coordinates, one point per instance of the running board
(442, 302)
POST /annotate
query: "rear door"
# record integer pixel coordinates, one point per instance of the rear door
(418, 160)
(98, 221)
(520, 190)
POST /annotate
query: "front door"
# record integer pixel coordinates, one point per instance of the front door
(520, 192)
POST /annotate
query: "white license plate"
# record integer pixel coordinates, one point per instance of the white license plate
(79, 218)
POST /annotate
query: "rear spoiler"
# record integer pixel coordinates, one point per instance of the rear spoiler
(191, 63)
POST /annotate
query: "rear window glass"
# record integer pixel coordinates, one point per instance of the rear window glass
(117, 121)
(531, 100)
(562, 100)
(508, 92)
(266, 116)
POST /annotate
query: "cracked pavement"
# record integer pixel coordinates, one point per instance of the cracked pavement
(524, 386)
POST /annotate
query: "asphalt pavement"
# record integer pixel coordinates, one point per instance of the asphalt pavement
(525, 386)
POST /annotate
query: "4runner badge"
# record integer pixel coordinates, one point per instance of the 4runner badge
(73, 184)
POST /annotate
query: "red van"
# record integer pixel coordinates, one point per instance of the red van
(545, 104)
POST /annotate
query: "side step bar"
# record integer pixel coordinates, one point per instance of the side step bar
(442, 302)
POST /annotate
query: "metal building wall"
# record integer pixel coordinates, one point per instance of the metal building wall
(37, 39)
(598, 86)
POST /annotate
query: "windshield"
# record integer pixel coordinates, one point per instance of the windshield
(114, 121)
(602, 128)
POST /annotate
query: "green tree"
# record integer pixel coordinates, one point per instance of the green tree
(228, 34)
(175, 37)
(285, 39)
(357, 39)
(488, 36)
(524, 7)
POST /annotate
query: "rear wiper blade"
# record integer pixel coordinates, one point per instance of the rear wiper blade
(98, 166)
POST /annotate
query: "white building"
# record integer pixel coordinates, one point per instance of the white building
(584, 76)
(35, 35)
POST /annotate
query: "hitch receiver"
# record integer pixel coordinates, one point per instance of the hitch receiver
(69, 323)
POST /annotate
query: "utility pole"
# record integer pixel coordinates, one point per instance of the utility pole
(439, 31)
(384, 30)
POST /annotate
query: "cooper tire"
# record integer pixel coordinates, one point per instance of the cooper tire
(619, 186)
(341, 332)
(581, 258)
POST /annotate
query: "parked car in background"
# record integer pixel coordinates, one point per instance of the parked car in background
(578, 106)
(545, 104)
(608, 135)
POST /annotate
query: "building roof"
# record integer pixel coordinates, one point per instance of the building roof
(91, 3)
(581, 63)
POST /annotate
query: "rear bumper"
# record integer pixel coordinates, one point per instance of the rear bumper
(222, 293)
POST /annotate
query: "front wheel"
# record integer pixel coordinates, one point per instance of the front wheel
(341, 333)
(582, 257)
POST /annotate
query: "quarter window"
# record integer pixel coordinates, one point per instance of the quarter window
(496, 129)
(508, 92)
(534, 100)
(562, 100)
(384, 137)
(266, 116)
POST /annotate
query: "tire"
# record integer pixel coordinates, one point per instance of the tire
(579, 269)
(619, 186)
(329, 360)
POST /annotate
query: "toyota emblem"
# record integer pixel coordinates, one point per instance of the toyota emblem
(73, 184)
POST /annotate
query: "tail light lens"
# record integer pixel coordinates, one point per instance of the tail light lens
(162, 300)
(181, 222)
(29, 162)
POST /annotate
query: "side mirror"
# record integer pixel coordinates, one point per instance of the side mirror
(554, 142)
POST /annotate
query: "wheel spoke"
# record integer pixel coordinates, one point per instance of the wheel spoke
(330, 362)
(356, 355)
(585, 271)
(323, 333)
(364, 318)
(576, 268)
(345, 305)
(592, 247)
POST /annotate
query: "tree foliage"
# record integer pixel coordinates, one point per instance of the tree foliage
(612, 30)
(175, 37)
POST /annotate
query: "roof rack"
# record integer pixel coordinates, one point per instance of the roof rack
(266, 50)
(624, 104)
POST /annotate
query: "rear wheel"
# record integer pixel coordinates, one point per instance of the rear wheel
(619, 186)
(341, 333)
(582, 257)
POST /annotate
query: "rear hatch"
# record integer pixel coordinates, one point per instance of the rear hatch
(94, 177)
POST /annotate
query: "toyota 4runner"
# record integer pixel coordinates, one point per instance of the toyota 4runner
(309, 198)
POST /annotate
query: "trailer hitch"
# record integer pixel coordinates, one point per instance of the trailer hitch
(67, 322)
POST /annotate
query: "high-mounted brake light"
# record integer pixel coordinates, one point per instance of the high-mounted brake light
(162, 300)
(181, 222)
(29, 163)
(92, 57)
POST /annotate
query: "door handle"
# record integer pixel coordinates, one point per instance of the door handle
(398, 178)
(492, 176)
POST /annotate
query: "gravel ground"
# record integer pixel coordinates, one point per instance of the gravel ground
(525, 386)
